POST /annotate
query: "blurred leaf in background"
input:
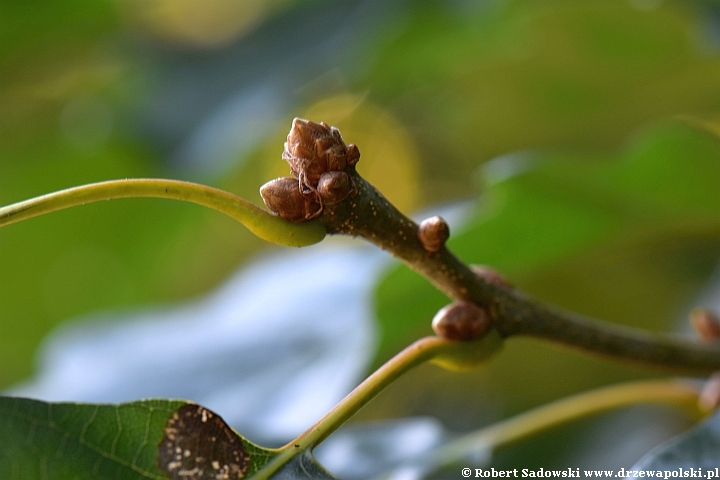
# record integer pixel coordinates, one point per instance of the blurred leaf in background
(473, 80)
(616, 228)
(272, 360)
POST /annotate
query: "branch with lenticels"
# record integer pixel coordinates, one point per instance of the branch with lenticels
(327, 186)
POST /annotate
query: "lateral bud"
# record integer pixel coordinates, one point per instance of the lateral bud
(433, 233)
(334, 187)
(283, 197)
(709, 398)
(706, 324)
(461, 320)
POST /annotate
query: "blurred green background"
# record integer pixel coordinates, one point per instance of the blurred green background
(611, 207)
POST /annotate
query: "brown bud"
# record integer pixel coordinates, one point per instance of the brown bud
(461, 321)
(352, 155)
(706, 323)
(433, 233)
(491, 275)
(316, 148)
(283, 196)
(334, 187)
(710, 395)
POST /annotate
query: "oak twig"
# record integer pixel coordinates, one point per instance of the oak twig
(369, 215)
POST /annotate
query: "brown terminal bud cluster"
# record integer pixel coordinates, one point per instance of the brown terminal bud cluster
(318, 157)
(433, 233)
(461, 320)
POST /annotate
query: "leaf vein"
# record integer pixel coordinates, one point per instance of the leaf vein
(108, 455)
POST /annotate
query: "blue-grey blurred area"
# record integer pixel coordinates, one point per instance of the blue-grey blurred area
(213, 103)
(272, 349)
(695, 452)
(134, 298)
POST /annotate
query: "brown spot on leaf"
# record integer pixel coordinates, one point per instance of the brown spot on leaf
(199, 445)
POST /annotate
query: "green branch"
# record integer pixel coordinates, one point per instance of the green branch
(671, 392)
(263, 224)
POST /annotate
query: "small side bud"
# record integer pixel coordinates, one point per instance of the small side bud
(461, 321)
(283, 197)
(705, 323)
(709, 398)
(433, 233)
(491, 276)
(352, 155)
(334, 187)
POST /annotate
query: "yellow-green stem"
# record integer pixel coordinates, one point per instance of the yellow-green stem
(419, 352)
(263, 224)
(672, 392)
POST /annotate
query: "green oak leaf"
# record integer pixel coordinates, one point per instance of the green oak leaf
(147, 439)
